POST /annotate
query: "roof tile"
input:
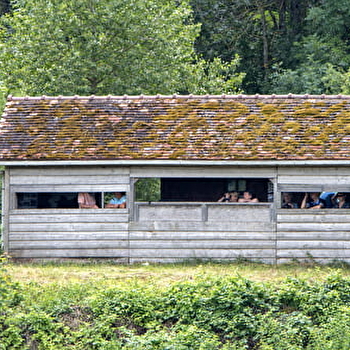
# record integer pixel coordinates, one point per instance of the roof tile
(178, 127)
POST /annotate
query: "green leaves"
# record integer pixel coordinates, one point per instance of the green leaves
(104, 47)
(230, 313)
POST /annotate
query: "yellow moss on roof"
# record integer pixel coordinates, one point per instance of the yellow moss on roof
(175, 128)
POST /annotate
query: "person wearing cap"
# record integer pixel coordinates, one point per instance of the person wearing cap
(340, 201)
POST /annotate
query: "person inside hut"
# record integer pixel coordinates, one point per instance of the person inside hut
(287, 201)
(340, 201)
(234, 196)
(118, 201)
(312, 201)
(248, 197)
(229, 197)
(328, 198)
(86, 201)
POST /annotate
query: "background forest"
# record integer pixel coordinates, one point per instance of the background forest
(118, 47)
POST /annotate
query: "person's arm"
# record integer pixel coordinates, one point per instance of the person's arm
(319, 206)
(224, 198)
(110, 205)
(303, 203)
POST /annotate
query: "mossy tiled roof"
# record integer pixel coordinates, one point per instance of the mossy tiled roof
(176, 127)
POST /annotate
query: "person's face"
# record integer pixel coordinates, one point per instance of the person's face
(234, 197)
(247, 195)
(118, 195)
(314, 195)
(286, 198)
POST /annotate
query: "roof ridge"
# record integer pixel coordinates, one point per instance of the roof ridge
(190, 96)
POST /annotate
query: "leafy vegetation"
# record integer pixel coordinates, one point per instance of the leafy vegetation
(107, 47)
(174, 307)
(147, 190)
(191, 46)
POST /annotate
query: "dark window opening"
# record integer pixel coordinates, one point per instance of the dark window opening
(47, 200)
(294, 200)
(201, 189)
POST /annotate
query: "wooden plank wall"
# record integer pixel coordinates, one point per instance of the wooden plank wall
(307, 234)
(310, 235)
(167, 232)
(68, 233)
(180, 231)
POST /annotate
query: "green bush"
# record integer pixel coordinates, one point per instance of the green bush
(202, 314)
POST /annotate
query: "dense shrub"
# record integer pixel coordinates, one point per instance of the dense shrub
(204, 314)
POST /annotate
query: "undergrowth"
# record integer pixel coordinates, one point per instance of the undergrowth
(204, 313)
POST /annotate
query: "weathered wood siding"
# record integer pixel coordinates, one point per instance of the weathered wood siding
(68, 233)
(307, 234)
(180, 231)
(69, 179)
(314, 179)
(319, 235)
(165, 232)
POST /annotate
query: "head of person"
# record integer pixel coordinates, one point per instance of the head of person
(315, 195)
(234, 196)
(118, 194)
(341, 196)
(247, 195)
(287, 197)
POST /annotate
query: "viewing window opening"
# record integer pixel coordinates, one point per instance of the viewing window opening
(200, 189)
(315, 200)
(68, 200)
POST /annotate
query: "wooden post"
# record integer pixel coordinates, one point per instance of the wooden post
(5, 209)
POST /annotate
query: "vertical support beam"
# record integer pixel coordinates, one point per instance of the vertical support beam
(275, 204)
(132, 209)
(5, 209)
(204, 212)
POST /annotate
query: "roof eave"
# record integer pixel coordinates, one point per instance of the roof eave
(174, 162)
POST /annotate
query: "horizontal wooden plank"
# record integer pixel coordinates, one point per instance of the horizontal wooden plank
(69, 236)
(314, 235)
(202, 253)
(330, 216)
(69, 253)
(250, 213)
(69, 179)
(69, 227)
(185, 260)
(306, 245)
(25, 245)
(184, 226)
(194, 235)
(81, 187)
(311, 179)
(312, 171)
(316, 253)
(169, 212)
(69, 171)
(312, 226)
(202, 171)
(69, 218)
(189, 244)
(69, 211)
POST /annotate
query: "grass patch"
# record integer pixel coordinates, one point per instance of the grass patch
(105, 274)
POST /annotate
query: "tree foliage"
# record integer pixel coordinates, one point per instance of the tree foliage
(173, 46)
(261, 32)
(106, 47)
